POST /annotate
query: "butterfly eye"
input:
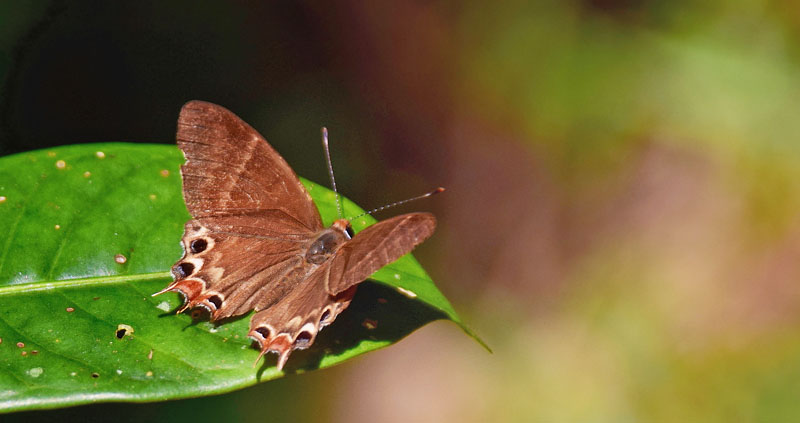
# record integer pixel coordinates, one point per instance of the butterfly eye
(349, 230)
(198, 245)
(324, 318)
(216, 300)
(263, 332)
(183, 270)
(303, 340)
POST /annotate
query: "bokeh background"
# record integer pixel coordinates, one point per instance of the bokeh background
(621, 222)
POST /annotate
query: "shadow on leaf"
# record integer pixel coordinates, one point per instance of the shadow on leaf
(378, 313)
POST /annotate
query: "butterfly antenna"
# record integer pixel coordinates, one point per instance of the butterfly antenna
(397, 203)
(330, 169)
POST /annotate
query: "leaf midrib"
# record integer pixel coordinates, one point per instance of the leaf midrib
(81, 282)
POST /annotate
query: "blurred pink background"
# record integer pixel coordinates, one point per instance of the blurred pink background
(621, 216)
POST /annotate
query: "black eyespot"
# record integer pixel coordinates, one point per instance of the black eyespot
(216, 300)
(325, 315)
(183, 270)
(198, 245)
(263, 332)
(303, 340)
(349, 230)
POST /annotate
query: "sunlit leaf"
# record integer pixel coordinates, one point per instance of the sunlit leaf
(88, 233)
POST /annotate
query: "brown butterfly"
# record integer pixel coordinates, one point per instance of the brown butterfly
(256, 240)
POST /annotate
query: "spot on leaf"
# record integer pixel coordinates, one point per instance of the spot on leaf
(123, 330)
(369, 324)
(407, 293)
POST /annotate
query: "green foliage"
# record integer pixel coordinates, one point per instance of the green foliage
(89, 233)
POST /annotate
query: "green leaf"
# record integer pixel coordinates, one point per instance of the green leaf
(88, 233)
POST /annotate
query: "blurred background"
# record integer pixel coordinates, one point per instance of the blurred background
(621, 221)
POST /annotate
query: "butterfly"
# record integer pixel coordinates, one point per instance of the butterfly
(256, 240)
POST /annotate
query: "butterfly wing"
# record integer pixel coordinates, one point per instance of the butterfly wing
(231, 170)
(252, 218)
(294, 322)
(253, 223)
(231, 274)
(375, 247)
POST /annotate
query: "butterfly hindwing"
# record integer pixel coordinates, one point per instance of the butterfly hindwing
(220, 271)
(294, 322)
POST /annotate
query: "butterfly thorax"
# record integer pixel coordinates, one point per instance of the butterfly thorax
(328, 241)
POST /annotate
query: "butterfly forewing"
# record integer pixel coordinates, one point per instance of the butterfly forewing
(231, 169)
(375, 247)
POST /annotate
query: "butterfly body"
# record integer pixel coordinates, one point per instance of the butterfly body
(328, 242)
(256, 240)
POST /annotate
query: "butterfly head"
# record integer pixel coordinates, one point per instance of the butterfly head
(344, 227)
